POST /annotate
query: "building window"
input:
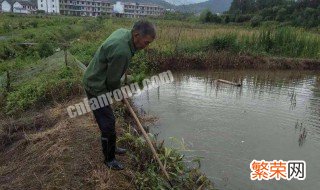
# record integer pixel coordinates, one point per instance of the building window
(41, 5)
(52, 5)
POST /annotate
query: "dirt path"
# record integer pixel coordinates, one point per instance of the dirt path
(66, 155)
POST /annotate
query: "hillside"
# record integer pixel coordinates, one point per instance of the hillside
(216, 6)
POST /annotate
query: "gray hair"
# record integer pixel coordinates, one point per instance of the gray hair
(144, 28)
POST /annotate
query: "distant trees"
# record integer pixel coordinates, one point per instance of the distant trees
(308, 3)
(178, 16)
(295, 12)
(251, 6)
(305, 13)
(256, 21)
(243, 6)
(207, 16)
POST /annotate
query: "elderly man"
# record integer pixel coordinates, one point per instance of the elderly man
(104, 73)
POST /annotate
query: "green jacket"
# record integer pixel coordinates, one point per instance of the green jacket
(109, 63)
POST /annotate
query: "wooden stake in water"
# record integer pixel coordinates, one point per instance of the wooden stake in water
(228, 82)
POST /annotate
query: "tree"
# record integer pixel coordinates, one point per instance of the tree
(206, 16)
(227, 19)
(243, 6)
(308, 3)
(216, 19)
(281, 14)
(256, 21)
(298, 12)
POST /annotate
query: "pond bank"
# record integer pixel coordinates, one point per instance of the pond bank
(227, 60)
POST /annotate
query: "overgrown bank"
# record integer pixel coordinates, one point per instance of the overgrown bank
(56, 151)
(275, 48)
(227, 60)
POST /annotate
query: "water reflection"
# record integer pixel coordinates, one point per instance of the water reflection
(302, 133)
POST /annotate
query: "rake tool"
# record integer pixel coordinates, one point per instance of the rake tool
(155, 154)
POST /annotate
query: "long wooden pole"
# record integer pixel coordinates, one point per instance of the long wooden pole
(155, 154)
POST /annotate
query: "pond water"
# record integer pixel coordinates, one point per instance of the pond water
(275, 115)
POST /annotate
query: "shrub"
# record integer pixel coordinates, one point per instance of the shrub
(224, 43)
(256, 21)
(7, 27)
(34, 24)
(45, 49)
(216, 19)
(7, 52)
(242, 18)
(227, 19)
(281, 15)
(40, 12)
(206, 16)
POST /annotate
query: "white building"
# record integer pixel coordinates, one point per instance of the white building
(86, 7)
(137, 10)
(6, 6)
(49, 6)
(118, 7)
(24, 7)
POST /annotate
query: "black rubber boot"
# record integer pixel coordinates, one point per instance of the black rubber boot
(114, 165)
(120, 151)
(109, 150)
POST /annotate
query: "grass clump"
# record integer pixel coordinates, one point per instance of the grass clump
(148, 173)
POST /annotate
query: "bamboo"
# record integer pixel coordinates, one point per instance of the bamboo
(155, 154)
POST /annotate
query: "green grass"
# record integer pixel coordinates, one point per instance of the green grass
(36, 84)
(46, 88)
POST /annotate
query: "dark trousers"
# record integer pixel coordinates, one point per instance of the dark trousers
(106, 121)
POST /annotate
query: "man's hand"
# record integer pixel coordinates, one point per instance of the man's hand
(124, 101)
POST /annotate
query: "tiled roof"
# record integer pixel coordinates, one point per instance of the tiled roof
(25, 3)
